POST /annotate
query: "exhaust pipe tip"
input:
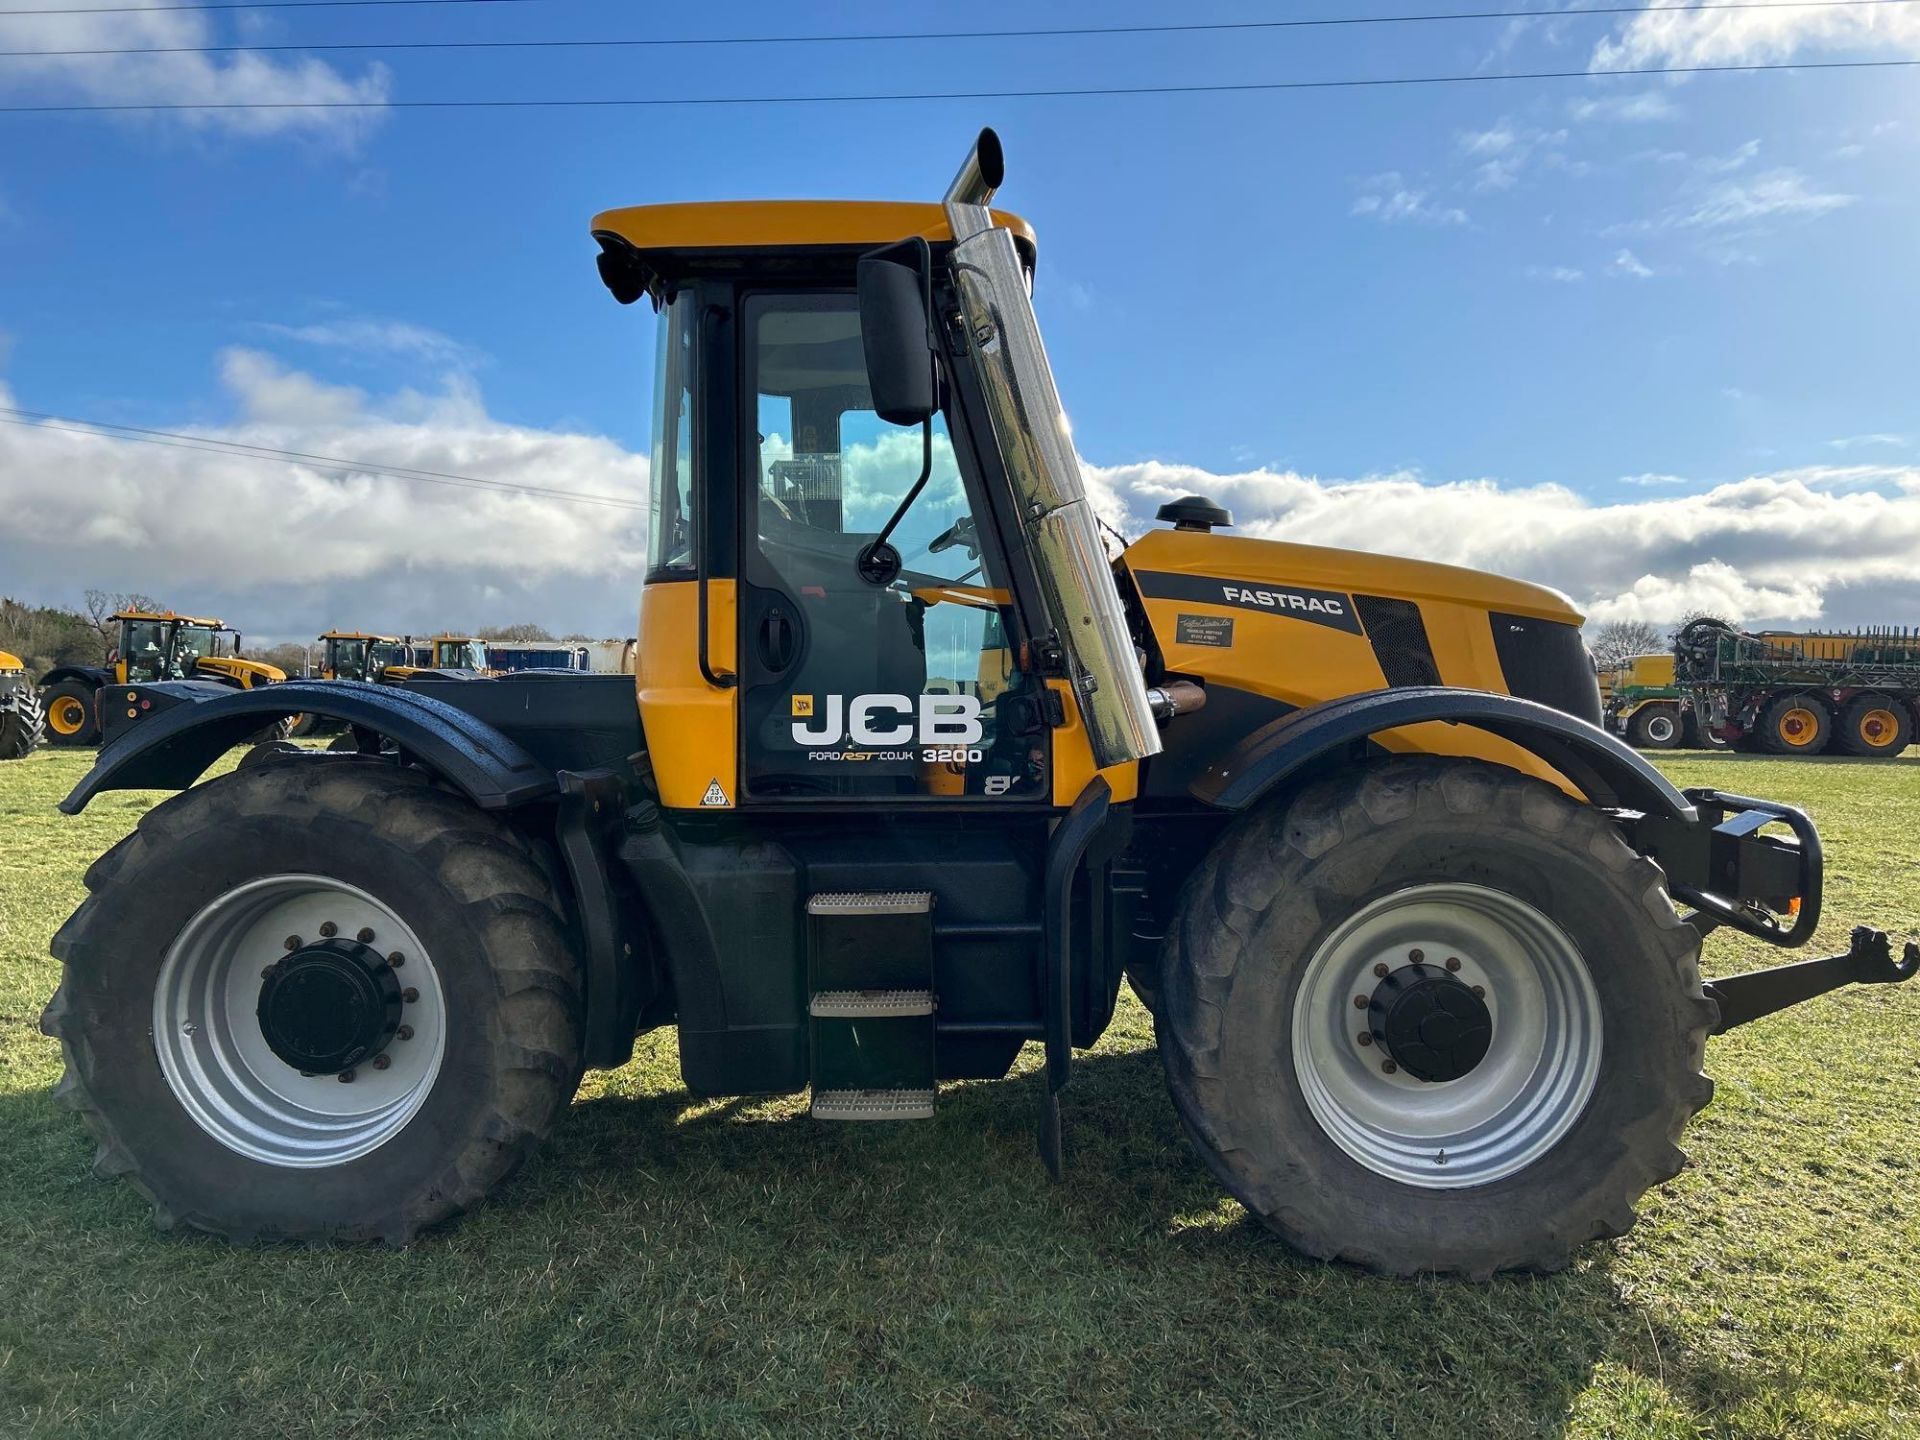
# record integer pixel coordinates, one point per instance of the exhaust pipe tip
(980, 173)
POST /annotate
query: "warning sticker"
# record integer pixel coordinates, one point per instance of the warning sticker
(1214, 630)
(802, 705)
(715, 795)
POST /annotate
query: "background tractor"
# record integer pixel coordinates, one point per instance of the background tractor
(912, 772)
(353, 655)
(151, 646)
(1801, 694)
(21, 722)
(461, 655)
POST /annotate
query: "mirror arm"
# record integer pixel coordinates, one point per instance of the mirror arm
(869, 563)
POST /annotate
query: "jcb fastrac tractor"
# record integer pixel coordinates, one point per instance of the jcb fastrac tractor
(461, 655)
(21, 723)
(354, 655)
(152, 646)
(916, 774)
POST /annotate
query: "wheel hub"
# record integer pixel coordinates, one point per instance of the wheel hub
(1429, 1024)
(329, 1006)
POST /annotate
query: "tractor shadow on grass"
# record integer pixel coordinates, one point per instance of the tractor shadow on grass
(1139, 1245)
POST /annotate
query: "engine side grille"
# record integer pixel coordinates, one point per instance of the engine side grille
(1399, 639)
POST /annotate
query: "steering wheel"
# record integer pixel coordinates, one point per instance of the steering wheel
(961, 532)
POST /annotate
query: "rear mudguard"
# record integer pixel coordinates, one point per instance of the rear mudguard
(188, 724)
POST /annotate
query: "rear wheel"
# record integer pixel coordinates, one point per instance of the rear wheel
(1795, 725)
(316, 999)
(1654, 727)
(22, 725)
(1434, 1017)
(1875, 725)
(70, 719)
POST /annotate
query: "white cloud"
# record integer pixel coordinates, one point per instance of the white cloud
(1777, 193)
(1786, 546)
(1392, 201)
(1559, 274)
(1850, 442)
(1645, 106)
(382, 337)
(1505, 150)
(179, 78)
(1760, 35)
(284, 550)
(1629, 264)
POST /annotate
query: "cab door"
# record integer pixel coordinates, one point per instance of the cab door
(849, 688)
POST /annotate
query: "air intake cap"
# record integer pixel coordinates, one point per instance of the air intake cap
(1194, 512)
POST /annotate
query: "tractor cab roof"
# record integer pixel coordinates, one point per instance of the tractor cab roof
(644, 246)
(169, 617)
(359, 635)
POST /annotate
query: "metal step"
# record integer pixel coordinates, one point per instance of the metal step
(870, 1004)
(873, 1104)
(872, 902)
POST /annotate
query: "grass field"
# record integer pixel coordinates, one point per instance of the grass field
(732, 1268)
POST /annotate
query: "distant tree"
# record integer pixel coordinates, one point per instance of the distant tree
(516, 634)
(1615, 642)
(290, 658)
(45, 636)
(103, 605)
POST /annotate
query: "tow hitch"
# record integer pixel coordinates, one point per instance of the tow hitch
(1868, 961)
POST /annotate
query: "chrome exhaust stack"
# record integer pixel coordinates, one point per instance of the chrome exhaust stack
(1030, 426)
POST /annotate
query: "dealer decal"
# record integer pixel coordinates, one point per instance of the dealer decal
(1318, 607)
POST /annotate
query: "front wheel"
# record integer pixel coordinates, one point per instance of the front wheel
(70, 718)
(22, 725)
(316, 999)
(1434, 1017)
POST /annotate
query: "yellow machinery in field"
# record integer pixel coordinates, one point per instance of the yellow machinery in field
(152, 645)
(448, 654)
(914, 771)
(21, 721)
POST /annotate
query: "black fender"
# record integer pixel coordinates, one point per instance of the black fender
(189, 724)
(1610, 773)
(86, 674)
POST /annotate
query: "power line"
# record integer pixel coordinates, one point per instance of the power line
(332, 464)
(654, 42)
(254, 5)
(1249, 87)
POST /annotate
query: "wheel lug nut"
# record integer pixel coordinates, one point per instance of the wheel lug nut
(1389, 1067)
(365, 937)
(345, 1077)
(1453, 962)
(409, 994)
(1381, 970)
(1416, 956)
(328, 929)
(381, 1062)
(1481, 991)
(405, 1032)
(1365, 1037)
(396, 959)
(292, 942)
(1359, 1002)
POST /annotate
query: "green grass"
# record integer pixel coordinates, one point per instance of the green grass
(731, 1268)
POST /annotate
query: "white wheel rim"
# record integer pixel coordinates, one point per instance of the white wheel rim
(1661, 728)
(216, 1059)
(1540, 1069)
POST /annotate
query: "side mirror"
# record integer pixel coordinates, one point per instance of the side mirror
(895, 303)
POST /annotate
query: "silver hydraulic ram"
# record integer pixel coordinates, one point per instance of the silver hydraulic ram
(1030, 427)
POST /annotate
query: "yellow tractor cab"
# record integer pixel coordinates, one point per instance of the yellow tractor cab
(915, 770)
(21, 721)
(358, 655)
(150, 646)
(446, 656)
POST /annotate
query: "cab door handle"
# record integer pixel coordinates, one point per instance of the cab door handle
(776, 640)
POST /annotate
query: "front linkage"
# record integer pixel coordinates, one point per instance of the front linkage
(1767, 886)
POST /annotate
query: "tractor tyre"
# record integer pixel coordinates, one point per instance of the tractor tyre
(1795, 725)
(280, 729)
(305, 723)
(1696, 736)
(1531, 1004)
(70, 715)
(1654, 727)
(23, 726)
(258, 1064)
(1875, 725)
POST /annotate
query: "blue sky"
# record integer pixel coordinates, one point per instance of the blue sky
(1455, 315)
